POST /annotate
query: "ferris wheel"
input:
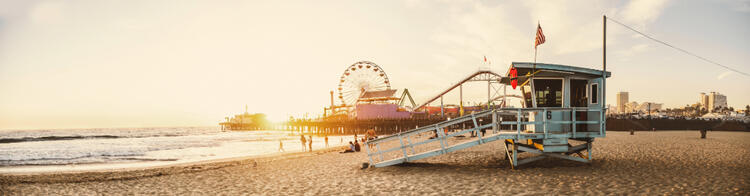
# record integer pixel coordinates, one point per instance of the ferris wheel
(359, 78)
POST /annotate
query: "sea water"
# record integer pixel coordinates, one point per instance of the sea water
(116, 148)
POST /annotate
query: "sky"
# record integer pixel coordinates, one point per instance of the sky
(89, 64)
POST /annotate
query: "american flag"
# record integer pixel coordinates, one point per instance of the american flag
(539, 36)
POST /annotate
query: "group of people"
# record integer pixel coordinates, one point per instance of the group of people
(353, 146)
(303, 141)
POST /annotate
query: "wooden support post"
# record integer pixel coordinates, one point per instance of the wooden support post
(442, 108)
(515, 154)
(588, 149)
(461, 99)
(604, 77)
(494, 121)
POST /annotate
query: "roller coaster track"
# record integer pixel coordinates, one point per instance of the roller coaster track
(482, 75)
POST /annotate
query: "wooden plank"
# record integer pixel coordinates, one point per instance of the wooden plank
(572, 158)
(426, 154)
(531, 159)
(462, 145)
(390, 162)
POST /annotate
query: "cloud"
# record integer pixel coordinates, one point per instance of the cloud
(505, 31)
(723, 75)
(739, 5)
(642, 12)
(633, 50)
(48, 12)
(475, 30)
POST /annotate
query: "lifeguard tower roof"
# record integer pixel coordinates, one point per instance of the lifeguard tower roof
(555, 69)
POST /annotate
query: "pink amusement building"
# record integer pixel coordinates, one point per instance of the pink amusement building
(379, 105)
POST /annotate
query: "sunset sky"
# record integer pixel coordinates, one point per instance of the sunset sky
(84, 64)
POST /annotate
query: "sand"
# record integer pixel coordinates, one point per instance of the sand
(647, 163)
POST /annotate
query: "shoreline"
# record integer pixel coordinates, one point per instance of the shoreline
(135, 149)
(150, 171)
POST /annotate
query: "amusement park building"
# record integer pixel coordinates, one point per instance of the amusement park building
(380, 111)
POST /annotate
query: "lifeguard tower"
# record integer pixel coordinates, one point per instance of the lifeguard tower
(563, 112)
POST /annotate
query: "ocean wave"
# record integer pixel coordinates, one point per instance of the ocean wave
(76, 137)
(87, 159)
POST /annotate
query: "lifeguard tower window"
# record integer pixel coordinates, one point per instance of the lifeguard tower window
(594, 93)
(578, 91)
(527, 95)
(548, 92)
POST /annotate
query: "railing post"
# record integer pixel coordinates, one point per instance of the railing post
(377, 147)
(604, 121)
(410, 144)
(403, 148)
(601, 121)
(574, 122)
(518, 124)
(441, 137)
(369, 156)
(476, 128)
(544, 122)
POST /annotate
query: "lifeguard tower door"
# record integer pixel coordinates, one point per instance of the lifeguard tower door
(595, 102)
(579, 99)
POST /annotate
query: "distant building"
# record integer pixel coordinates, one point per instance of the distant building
(622, 100)
(246, 121)
(612, 109)
(716, 100)
(703, 100)
(631, 107)
(645, 106)
(379, 105)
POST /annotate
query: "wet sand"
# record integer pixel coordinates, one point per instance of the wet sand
(647, 163)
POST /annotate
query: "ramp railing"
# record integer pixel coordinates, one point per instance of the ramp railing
(433, 140)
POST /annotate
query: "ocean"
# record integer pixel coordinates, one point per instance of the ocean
(114, 148)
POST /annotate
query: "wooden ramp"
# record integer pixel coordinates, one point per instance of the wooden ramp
(484, 127)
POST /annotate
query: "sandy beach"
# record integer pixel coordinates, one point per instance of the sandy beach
(647, 163)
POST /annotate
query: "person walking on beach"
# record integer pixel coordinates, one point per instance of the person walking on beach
(281, 146)
(302, 139)
(310, 143)
(370, 136)
(326, 141)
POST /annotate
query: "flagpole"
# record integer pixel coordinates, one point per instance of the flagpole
(535, 49)
(534, 70)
